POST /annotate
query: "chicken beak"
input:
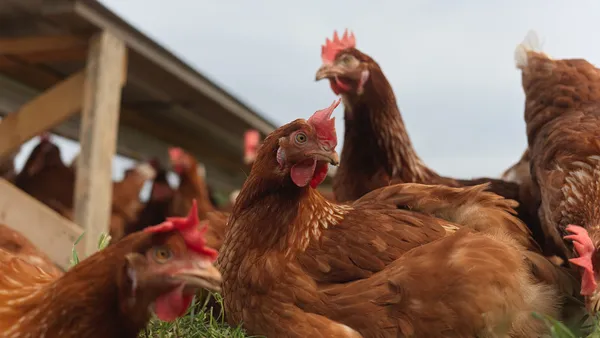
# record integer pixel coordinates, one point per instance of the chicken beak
(328, 156)
(202, 276)
(327, 71)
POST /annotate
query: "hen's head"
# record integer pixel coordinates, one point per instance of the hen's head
(347, 69)
(141, 173)
(588, 260)
(168, 264)
(45, 154)
(181, 161)
(302, 149)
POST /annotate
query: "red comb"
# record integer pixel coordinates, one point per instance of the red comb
(175, 153)
(193, 235)
(331, 47)
(251, 141)
(324, 124)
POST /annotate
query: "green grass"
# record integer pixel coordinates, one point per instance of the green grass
(201, 322)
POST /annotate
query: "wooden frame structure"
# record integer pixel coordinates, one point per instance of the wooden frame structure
(75, 68)
(96, 93)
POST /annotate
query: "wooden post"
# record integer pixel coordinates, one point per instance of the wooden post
(105, 77)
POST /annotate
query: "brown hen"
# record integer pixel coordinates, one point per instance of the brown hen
(46, 178)
(111, 293)
(126, 204)
(192, 184)
(287, 247)
(16, 243)
(377, 149)
(193, 187)
(157, 207)
(562, 112)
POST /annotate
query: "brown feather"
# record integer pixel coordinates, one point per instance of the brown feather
(377, 150)
(286, 245)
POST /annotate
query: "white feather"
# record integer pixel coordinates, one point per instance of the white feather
(146, 170)
(201, 170)
(531, 43)
(233, 196)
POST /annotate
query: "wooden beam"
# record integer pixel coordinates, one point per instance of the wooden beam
(44, 112)
(76, 54)
(28, 74)
(36, 44)
(46, 229)
(105, 77)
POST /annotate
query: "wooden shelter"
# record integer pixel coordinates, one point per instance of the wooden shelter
(77, 69)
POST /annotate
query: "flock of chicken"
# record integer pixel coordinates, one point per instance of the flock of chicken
(398, 251)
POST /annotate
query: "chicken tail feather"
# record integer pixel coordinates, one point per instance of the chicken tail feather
(530, 44)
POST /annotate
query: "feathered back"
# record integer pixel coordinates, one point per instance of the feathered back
(472, 207)
(20, 280)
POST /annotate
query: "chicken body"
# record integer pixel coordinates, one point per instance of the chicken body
(290, 252)
(156, 210)
(377, 149)
(109, 294)
(193, 187)
(14, 242)
(487, 291)
(46, 178)
(562, 112)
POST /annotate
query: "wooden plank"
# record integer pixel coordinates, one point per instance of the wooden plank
(44, 112)
(35, 44)
(49, 231)
(31, 75)
(77, 54)
(98, 137)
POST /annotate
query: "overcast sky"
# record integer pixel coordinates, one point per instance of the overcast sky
(450, 63)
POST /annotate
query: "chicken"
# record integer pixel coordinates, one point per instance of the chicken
(287, 245)
(157, 208)
(193, 187)
(46, 178)
(36, 159)
(111, 293)
(529, 202)
(377, 150)
(487, 291)
(562, 113)
(15, 243)
(126, 205)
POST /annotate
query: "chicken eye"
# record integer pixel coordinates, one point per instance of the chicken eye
(346, 59)
(162, 254)
(301, 138)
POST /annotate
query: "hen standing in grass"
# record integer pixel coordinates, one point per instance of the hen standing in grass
(111, 293)
(377, 149)
(562, 112)
(297, 265)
